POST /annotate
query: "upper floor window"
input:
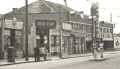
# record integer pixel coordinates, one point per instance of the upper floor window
(111, 30)
(81, 26)
(88, 28)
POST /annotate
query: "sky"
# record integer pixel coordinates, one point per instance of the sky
(106, 8)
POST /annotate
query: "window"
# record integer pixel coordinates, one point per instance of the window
(73, 26)
(76, 26)
(111, 30)
(101, 30)
(55, 40)
(104, 30)
(81, 26)
(88, 28)
(108, 30)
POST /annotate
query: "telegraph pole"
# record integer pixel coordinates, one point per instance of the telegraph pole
(26, 30)
(95, 16)
(2, 37)
(111, 21)
(61, 31)
(60, 52)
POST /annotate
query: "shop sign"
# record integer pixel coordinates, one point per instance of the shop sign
(67, 26)
(45, 23)
(13, 24)
(109, 39)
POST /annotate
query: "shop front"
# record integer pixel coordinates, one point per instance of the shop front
(45, 38)
(73, 45)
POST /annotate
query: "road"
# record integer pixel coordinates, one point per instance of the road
(112, 62)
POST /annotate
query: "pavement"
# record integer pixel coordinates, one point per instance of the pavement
(61, 61)
(85, 62)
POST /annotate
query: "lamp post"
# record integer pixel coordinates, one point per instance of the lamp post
(26, 30)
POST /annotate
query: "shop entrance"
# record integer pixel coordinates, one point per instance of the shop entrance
(43, 32)
(43, 41)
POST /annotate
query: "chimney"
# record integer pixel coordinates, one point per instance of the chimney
(14, 10)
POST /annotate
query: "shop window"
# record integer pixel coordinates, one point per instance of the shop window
(52, 40)
(54, 45)
(55, 41)
(37, 30)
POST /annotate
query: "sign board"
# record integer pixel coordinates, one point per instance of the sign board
(67, 26)
(8, 24)
(13, 24)
(45, 23)
(19, 25)
(109, 39)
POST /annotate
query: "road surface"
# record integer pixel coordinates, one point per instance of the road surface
(112, 62)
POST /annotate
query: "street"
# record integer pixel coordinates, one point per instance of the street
(112, 61)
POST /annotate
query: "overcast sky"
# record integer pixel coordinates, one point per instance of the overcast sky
(106, 8)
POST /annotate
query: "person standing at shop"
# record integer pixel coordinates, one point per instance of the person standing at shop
(36, 54)
(43, 48)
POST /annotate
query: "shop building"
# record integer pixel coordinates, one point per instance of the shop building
(106, 33)
(49, 21)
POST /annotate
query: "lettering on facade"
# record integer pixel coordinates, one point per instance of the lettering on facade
(67, 26)
(13, 24)
(46, 23)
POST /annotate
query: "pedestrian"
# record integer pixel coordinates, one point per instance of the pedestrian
(43, 53)
(36, 54)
